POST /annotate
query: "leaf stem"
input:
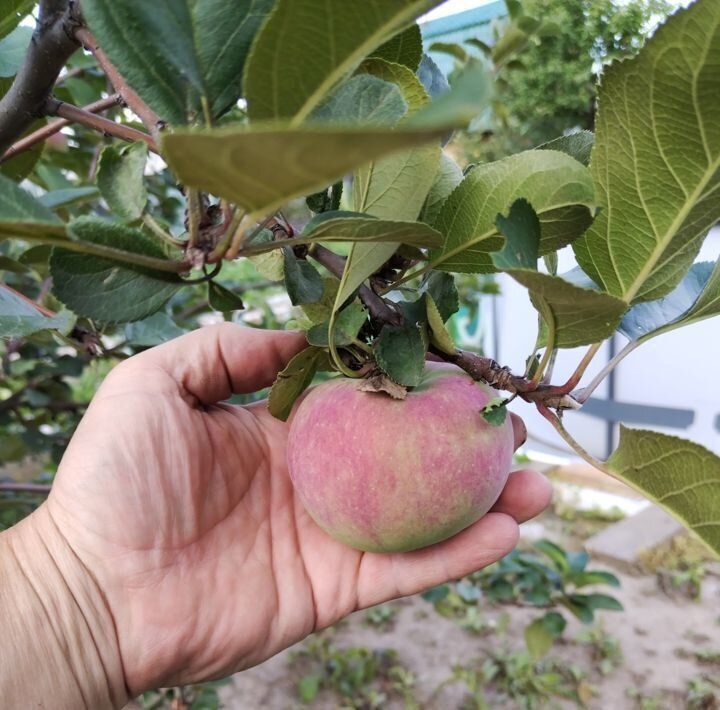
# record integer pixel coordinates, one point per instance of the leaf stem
(585, 393)
(576, 376)
(570, 441)
(151, 223)
(548, 354)
(223, 245)
(193, 217)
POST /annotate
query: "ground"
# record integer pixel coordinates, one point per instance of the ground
(662, 652)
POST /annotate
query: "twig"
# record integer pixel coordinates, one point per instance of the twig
(151, 120)
(51, 46)
(335, 264)
(584, 394)
(54, 127)
(53, 107)
(25, 488)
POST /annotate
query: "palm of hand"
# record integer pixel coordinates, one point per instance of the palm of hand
(185, 515)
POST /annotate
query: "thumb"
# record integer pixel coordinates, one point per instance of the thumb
(214, 362)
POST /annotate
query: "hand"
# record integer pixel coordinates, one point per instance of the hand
(181, 510)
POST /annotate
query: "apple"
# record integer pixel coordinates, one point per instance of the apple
(387, 475)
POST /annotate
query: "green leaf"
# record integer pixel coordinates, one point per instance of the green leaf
(438, 333)
(559, 188)
(582, 315)
(495, 411)
(57, 199)
(23, 216)
(269, 264)
(287, 78)
(585, 579)
(363, 261)
(157, 329)
(599, 601)
(370, 229)
(320, 311)
(468, 96)
(408, 83)
(346, 327)
(695, 298)
(521, 229)
(327, 200)
(177, 54)
(362, 99)
(449, 175)
(451, 48)
(679, 475)
(400, 352)
(19, 318)
(556, 554)
(294, 380)
(577, 145)
(302, 280)
(107, 290)
(12, 13)
(660, 193)
(432, 78)
(120, 179)
(308, 687)
(440, 286)
(513, 41)
(237, 164)
(538, 639)
(404, 48)
(223, 299)
(554, 623)
(13, 49)
(19, 167)
(578, 607)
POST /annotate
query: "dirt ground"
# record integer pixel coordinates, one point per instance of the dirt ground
(659, 634)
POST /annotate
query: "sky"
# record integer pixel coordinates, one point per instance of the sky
(452, 7)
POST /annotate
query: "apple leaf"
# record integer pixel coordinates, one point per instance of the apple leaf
(559, 188)
(434, 81)
(660, 194)
(362, 99)
(65, 197)
(538, 639)
(178, 54)
(302, 280)
(679, 475)
(400, 352)
(120, 179)
(154, 330)
(365, 228)
(223, 299)
(12, 12)
(404, 48)
(294, 380)
(345, 328)
(13, 48)
(20, 318)
(437, 331)
(695, 298)
(440, 286)
(299, 55)
(104, 289)
(577, 145)
(449, 175)
(237, 163)
(408, 83)
(21, 215)
(521, 229)
(495, 411)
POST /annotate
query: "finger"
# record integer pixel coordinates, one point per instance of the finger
(386, 576)
(526, 494)
(214, 362)
(519, 430)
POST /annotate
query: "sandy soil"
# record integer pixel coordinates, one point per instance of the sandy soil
(656, 633)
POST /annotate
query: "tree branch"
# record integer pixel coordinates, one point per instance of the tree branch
(152, 121)
(54, 127)
(53, 107)
(25, 488)
(51, 45)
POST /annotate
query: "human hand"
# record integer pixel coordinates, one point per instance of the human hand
(181, 511)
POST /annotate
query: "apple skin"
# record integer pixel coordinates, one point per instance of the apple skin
(386, 475)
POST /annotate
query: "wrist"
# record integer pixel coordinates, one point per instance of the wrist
(58, 645)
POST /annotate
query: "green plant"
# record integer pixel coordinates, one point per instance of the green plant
(196, 697)
(504, 676)
(360, 677)
(381, 617)
(553, 580)
(604, 648)
(703, 693)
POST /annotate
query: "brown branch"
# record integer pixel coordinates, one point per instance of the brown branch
(53, 107)
(152, 121)
(54, 127)
(51, 46)
(25, 488)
